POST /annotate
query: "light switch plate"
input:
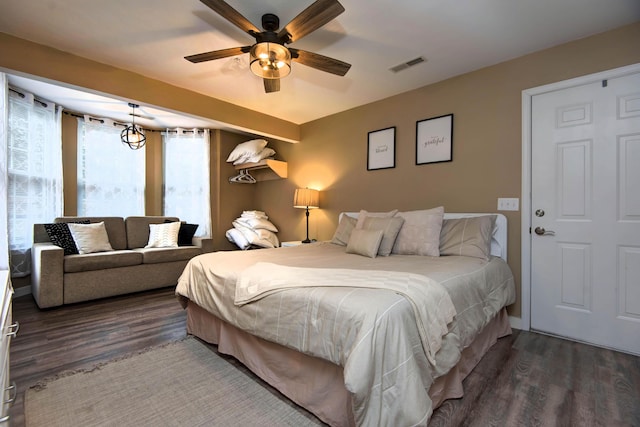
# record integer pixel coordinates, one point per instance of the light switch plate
(508, 204)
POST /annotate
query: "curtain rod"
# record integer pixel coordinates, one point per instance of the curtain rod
(22, 95)
(124, 125)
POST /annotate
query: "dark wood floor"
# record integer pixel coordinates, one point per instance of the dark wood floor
(526, 379)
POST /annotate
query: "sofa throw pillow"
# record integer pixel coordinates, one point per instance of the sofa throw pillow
(247, 148)
(343, 232)
(420, 233)
(90, 238)
(185, 233)
(60, 235)
(390, 228)
(467, 236)
(163, 235)
(364, 242)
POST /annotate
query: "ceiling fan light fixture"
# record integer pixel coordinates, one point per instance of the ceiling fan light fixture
(270, 60)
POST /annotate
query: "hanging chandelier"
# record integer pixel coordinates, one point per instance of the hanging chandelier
(132, 135)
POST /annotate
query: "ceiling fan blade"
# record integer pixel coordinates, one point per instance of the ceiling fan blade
(217, 54)
(271, 85)
(310, 19)
(231, 15)
(320, 62)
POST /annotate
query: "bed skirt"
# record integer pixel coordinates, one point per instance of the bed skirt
(317, 384)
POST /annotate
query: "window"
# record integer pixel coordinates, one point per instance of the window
(34, 190)
(186, 177)
(111, 176)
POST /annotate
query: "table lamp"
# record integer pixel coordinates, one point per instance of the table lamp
(306, 198)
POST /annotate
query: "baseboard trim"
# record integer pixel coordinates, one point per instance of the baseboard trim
(22, 291)
(515, 322)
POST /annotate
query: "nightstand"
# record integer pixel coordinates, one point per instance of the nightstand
(291, 243)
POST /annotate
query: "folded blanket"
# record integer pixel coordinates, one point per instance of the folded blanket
(432, 305)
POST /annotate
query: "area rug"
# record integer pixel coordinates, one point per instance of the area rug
(185, 383)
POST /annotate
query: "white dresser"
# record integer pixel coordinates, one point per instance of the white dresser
(9, 330)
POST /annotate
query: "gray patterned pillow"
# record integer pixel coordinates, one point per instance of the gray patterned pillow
(60, 235)
(467, 236)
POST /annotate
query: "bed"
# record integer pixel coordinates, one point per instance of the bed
(358, 340)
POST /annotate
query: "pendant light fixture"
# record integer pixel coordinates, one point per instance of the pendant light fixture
(132, 135)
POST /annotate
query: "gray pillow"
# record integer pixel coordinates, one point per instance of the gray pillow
(467, 236)
(420, 234)
(343, 232)
(364, 242)
(390, 228)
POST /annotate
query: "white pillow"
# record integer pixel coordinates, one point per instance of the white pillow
(163, 235)
(90, 238)
(247, 148)
(235, 236)
(255, 157)
(256, 224)
(420, 233)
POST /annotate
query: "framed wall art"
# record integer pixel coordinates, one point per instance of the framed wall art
(434, 140)
(381, 149)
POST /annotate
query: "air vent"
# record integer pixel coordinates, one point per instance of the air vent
(407, 64)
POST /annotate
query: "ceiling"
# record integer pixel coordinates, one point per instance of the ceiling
(151, 37)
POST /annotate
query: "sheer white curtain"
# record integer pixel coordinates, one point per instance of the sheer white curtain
(34, 153)
(111, 176)
(186, 177)
(4, 237)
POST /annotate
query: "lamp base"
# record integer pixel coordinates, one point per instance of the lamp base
(306, 241)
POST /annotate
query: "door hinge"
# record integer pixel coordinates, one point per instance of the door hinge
(605, 83)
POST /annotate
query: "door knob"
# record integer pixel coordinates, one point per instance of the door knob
(542, 232)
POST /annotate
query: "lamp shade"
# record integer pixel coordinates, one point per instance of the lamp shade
(306, 198)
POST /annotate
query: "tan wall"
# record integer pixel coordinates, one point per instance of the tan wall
(487, 140)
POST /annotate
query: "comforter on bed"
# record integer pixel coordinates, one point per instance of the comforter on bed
(372, 333)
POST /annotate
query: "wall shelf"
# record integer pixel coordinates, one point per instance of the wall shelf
(265, 170)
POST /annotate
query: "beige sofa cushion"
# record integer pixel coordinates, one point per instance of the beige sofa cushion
(138, 229)
(114, 225)
(159, 255)
(101, 260)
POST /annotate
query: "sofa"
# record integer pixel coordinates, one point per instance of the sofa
(58, 279)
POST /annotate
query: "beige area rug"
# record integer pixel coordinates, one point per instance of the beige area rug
(185, 383)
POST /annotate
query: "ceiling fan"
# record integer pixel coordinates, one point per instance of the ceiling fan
(269, 57)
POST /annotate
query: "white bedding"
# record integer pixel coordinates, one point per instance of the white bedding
(371, 333)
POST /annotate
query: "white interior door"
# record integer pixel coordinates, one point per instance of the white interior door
(585, 201)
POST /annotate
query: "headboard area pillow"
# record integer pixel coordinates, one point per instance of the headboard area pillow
(469, 236)
(420, 233)
(498, 235)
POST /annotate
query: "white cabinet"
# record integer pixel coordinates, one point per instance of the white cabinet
(9, 330)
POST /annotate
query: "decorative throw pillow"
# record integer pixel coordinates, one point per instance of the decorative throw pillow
(363, 214)
(60, 235)
(390, 228)
(467, 236)
(186, 233)
(420, 233)
(163, 235)
(364, 242)
(343, 232)
(90, 238)
(247, 148)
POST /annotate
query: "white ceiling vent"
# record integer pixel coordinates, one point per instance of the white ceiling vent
(407, 64)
